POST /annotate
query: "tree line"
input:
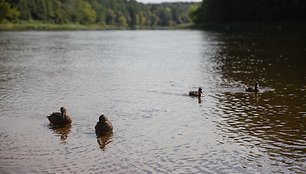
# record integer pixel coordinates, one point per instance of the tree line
(263, 11)
(123, 13)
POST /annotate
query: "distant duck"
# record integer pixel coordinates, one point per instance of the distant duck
(196, 93)
(103, 125)
(251, 89)
(59, 118)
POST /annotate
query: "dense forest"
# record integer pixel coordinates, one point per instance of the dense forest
(123, 13)
(259, 11)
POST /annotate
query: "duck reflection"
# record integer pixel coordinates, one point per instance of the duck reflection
(256, 97)
(103, 139)
(199, 100)
(63, 132)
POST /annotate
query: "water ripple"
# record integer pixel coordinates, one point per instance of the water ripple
(140, 80)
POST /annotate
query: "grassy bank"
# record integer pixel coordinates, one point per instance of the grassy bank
(71, 26)
(48, 26)
(275, 27)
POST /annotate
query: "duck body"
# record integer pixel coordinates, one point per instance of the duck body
(196, 93)
(59, 118)
(251, 89)
(103, 125)
(193, 93)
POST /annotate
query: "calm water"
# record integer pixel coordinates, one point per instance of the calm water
(140, 80)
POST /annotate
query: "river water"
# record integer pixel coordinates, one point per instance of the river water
(140, 80)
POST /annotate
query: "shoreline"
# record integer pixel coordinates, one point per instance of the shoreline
(224, 27)
(249, 27)
(27, 26)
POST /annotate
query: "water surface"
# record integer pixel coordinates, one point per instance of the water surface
(140, 80)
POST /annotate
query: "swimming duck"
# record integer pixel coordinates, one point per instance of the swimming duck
(251, 89)
(196, 93)
(103, 125)
(59, 118)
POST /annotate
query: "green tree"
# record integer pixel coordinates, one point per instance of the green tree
(38, 10)
(121, 20)
(251, 11)
(165, 17)
(84, 12)
(192, 11)
(89, 15)
(142, 18)
(126, 13)
(110, 17)
(7, 11)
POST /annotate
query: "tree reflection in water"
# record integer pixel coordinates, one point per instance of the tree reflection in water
(103, 139)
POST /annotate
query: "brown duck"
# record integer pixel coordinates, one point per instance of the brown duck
(103, 125)
(59, 118)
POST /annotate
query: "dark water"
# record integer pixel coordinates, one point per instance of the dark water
(140, 80)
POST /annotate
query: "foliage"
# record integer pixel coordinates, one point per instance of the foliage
(251, 11)
(7, 11)
(121, 13)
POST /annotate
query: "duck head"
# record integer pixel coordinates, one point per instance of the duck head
(200, 91)
(102, 118)
(63, 112)
(256, 86)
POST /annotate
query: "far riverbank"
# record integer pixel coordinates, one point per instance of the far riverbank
(72, 26)
(249, 26)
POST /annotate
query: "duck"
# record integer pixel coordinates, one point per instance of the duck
(251, 89)
(59, 118)
(103, 125)
(196, 93)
